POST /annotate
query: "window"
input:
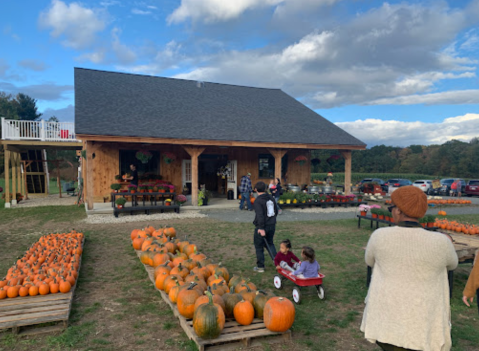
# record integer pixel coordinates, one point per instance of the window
(266, 165)
(128, 157)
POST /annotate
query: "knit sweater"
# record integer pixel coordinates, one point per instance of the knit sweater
(408, 300)
(473, 281)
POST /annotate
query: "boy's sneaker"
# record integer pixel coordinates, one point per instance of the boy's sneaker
(280, 211)
(258, 269)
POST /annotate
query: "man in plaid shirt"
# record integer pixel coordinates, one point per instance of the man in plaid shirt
(245, 189)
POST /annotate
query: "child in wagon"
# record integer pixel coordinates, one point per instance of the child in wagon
(309, 267)
(285, 257)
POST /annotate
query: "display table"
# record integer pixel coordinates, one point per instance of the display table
(144, 202)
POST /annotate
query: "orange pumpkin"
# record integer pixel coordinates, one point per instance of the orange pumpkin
(278, 314)
(244, 312)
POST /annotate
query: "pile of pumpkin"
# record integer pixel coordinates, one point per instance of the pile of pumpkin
(49, 266)
(202, 290)
(445, 202)
(455, 226)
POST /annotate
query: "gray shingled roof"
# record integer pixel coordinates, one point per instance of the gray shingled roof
(119, 104)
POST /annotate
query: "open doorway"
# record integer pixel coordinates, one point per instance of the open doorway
(208, 166)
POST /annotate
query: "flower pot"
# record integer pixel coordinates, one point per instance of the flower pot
(391, 219)
(167, 203)
(363, 213)
(430, 225)
(132, 191)
(381, 216)
(119, 206)
(118, 180)
(162, 191)
(374, 215)
(387, 218)
(288, 201)
(150, 190)
(423, 225)
(281, 202)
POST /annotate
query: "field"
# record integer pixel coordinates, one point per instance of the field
(116, 307)
(357, 177)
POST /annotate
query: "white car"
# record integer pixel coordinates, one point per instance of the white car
(425, 185)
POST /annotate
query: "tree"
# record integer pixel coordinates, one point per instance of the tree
(27, 108)
(53, 119)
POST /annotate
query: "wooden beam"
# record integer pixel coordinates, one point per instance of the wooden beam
(19, 175)
(231, 143)
(89, 175)
(278, 156)
(75, 145)
(13, 156)
(347, 170)
(194, 153)
(7, 178)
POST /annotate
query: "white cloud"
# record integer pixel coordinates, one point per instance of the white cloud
(95, 56)
(122, 52)
(34, 65)
(45, 91)
(399, 133)
(136, 11)
(452, 97)
(77, 24)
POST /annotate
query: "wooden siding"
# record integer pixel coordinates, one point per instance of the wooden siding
(105, 164)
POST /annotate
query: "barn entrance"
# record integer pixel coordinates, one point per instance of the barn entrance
(208, 168)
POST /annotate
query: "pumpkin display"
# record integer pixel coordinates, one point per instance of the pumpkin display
(186, 301)
(259, 301)
(209, 319)
(244, 312)
(49, 261)
(278, 314)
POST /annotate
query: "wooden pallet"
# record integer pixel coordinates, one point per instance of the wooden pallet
(232, 337)
(29, 311)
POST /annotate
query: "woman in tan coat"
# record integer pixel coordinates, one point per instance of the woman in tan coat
(407, 307)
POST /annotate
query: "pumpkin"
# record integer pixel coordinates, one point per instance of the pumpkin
(3, 293)
(190, 264)
(235, 279)
(160, 280)
(190, 250)
(214, 279)
(220, 270)
(230, 300)
(182, 244)
(211, 267)
(278, 314)
(200, 270)
(54, 287)
(241, 286)
(174, 291)
(43, 289)
(244, 312)
(65, 286)
(159, 259)
(12, 291)
(198, 257)
(134, 234)
(33, 290)
(259, 301)
(186, 301)
(137, 242)
(217, 299)
(247, 294)
(180, 270)
(170, 282)
(163, 268)
(209, 319)
(170, 232)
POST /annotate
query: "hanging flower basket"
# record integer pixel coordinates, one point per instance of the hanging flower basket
(332, 159)
(315, 161)
(168, 157)
(144, 156)
(301, 160)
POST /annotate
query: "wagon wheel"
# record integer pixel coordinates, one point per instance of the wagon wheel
(321, 294)
(296, 295)
(278, 282)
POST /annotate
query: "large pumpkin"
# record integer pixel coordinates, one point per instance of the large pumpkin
(244, 312)
(209, 320)
(220, 270)
(247, 294)
(230, 300)
(170, 232)
(217, 299)
(186, 301)
(278, 314)
(259, 301)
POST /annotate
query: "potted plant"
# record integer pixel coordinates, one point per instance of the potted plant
(171, 188)
(430, 221)
(120, 202)
(143, 188)
(301, 160)
(423, 221)
(150, 188)
(115, 187)
(168, 202)
(144, 156)
(168, 157)
(316, 198)
(118, 178)
(202, 198)
(132, 188)
(161, 189)
(181, 199)
(363, 209)
(375, 212)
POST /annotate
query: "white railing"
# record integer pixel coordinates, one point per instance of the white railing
(37, 130)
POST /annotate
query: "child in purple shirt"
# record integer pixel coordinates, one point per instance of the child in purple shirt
(309, 266)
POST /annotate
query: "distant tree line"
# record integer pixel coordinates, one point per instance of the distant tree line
(452, 159)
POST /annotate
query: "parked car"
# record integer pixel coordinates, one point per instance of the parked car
(372, 180)
(424, 184)
(472, 187)
(397, 183)
(445, 189)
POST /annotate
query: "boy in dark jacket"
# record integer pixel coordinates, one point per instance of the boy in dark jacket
(265, 224)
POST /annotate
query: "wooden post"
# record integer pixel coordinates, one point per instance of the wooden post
(14, 176)
(57, 164)
(278, 156)
(347, 170)
(194, 152)
(19, 175)
(7, 178)
(89, 175)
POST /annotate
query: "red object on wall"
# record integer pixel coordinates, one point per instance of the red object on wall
(64, 133)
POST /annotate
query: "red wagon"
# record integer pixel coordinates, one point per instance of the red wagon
(300, 283)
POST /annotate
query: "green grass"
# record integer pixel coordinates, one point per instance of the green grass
(357, 177)
(116, 306)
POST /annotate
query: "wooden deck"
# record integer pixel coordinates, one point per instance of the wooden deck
(232, 337)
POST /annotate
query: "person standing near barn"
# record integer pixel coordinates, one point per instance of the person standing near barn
(417, 317)
(245, 189)
(264, 223)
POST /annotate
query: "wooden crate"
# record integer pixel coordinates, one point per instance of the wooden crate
(232, 337)
(29, 311)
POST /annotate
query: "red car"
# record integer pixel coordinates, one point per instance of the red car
(472, 187)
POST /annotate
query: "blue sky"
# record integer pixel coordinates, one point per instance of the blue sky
(396, 72)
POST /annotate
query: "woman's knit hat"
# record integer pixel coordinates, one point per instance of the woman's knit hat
(410, 200)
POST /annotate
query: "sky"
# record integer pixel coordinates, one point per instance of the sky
(394, 73)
